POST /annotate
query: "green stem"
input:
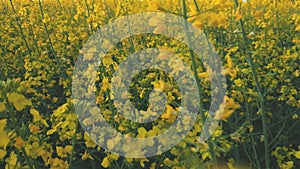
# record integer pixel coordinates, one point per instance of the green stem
(258, 89)
(17, 131)
(21, 29)
(251, 134)
(278, 27)
(248, 156)
(89, 14)
(35, 41)
(29, 162)
(61, 7)
(194, 67)
(49, 39)
(73, 145)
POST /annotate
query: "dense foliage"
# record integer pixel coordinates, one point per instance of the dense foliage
(257, 40)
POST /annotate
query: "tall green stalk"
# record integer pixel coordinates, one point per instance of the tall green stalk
(194, 67)
(73, 145)
(251, 134)
(18, 21)
(50, 41)
(89, 14)
(259, 91)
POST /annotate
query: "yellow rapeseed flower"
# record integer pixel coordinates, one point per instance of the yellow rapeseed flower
(105, 162)
(297, 154)
(2, 153)
(19, 101)
(20, 143)
(64, 152)
(2, 107)
(86, 155)
(3, 135)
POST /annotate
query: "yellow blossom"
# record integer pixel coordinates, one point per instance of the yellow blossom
(64, 152)
(86, 155)
(297, 154)
(2, 153)
(34, 128)
(163, 86)
(105, 162)
(12, 161)
(3, 134)
(37, 117)
(88, 141)
(2, 107)
(19, 101)
(141, 132)
(107, 60)
(19, 143)
(170, 113)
